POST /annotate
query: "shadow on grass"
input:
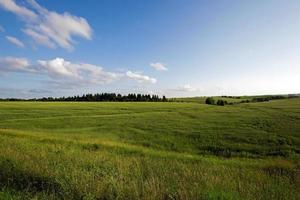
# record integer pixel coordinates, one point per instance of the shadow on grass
(12, 176)
(254, 152)
(284, 169)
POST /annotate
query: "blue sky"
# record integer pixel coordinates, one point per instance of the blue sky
(170, 47)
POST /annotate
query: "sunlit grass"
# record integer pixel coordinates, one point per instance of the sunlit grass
(149, 150)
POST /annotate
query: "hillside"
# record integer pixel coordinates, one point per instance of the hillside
(149, 150)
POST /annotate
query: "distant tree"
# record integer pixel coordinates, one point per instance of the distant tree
(138, 97)
(210, 101)
(98, 97)
(164, 99)
(221, 102)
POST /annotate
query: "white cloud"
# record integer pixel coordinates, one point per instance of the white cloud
(15, 64)
(140, 78)
(21, 11)
(49, 28)
(61, 71)
(2, 29)
(187, 88)
(59, 68)
(39, 38)
(15, 41)
(158, 66)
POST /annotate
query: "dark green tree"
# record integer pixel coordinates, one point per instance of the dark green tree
(210, 101)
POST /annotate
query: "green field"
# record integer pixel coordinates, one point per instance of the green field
(201, 100)
(149, 150)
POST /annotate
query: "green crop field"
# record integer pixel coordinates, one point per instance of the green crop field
(70, 150)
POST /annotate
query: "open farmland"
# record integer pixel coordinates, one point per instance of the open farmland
(69, 150)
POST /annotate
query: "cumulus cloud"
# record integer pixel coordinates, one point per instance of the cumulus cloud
(83, 72)
(59, 67)
(15, 64)
(187, 88)
(140, 77)
(49, 28)
(159, 66)
(61, 71)
(15, 41)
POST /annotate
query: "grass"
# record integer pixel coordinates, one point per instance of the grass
(228, 99)
(149, 150)
(201, 100)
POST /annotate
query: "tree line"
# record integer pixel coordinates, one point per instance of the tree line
(222, 102)
(99, 97)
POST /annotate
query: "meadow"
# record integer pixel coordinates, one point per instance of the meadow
(150, 150)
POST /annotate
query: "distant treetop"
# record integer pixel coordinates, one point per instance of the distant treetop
(100, 97)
